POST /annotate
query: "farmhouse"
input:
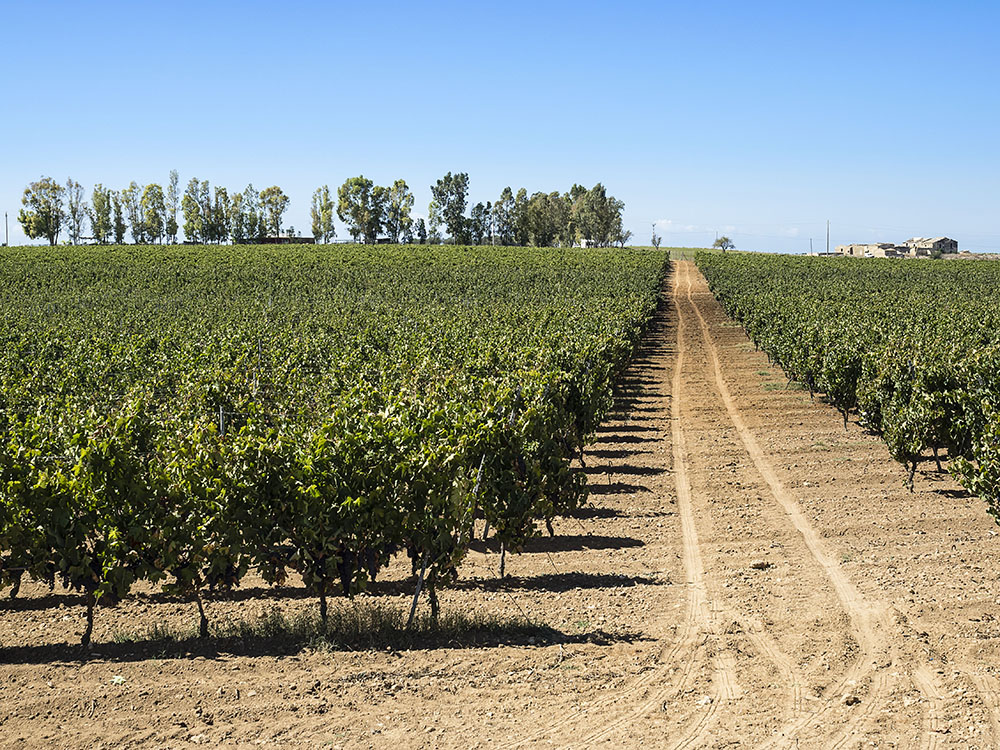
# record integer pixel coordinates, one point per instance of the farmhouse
(928, 246)
(870, 250)
(914, 247)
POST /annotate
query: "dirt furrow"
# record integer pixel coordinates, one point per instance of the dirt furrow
(747, 632)
(700, 622)
(924, 681)
(790, 673)
(988, 689)
(725, 682)
(869, 624)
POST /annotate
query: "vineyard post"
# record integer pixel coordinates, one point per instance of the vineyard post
(416, 594)
(85, 640)
(475, 503)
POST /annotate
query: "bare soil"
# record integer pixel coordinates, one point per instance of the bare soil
(746, 574)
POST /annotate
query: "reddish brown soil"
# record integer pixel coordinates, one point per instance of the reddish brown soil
(746, 574)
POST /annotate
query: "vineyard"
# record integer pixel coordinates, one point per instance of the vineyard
(912, 348)
(184, 415)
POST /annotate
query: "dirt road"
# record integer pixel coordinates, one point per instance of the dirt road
(746, 574)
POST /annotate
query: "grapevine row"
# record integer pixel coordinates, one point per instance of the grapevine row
(181, 416)
(911, 347)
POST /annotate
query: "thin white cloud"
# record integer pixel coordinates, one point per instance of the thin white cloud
(669, 225)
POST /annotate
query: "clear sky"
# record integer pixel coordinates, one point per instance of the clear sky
(759, 120)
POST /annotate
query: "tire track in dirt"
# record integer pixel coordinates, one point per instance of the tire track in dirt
(675, 670)
(703, 620)
(790, 673)
(924, 681)
(725, 682)
(987, 687)
(701, 616)
(869, 625)
(754, 631)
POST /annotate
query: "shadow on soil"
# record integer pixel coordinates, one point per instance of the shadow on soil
(557, 582)
(626, 439)
(607, 433)
(624, 469)
(353, 626)
(616, 453)
(616, 488)
(562, 543)
(959, 494)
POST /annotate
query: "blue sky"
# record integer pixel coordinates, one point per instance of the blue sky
(757, 120)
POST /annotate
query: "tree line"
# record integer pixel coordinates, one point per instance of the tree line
(370, 213)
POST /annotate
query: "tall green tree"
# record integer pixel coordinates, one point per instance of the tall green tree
(479, 223)
(237, 219)
(519, 218)
(563, 209)
(619, 233)
(132, 202)
(547, 218)
(119, 217)
(191, 208)
(406, 238)
(376, 222)
(42, 215)
(100, 213)
(274, 203)
(503, 218)
(434, 222)
(205, 209)
(451, 194)
(154, 209)
(421, 232)
(321, 213)
(172, 204)
(361, 206)
(76, 210)
(596, 216)
(399, 202)
(255, 224)
(220, 215)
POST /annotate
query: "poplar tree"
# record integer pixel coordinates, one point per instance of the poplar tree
(76, 210)
(451, 195)
(399, 203)
(173, 201)
(503, 218)
(119, 217)
(273, 203)
(132, 203)
(100, 213)
(322, 215)
(153, 212)
(191, 208)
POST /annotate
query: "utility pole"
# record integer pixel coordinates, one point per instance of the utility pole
(6, 231)
(827, 236)
(810, 245)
